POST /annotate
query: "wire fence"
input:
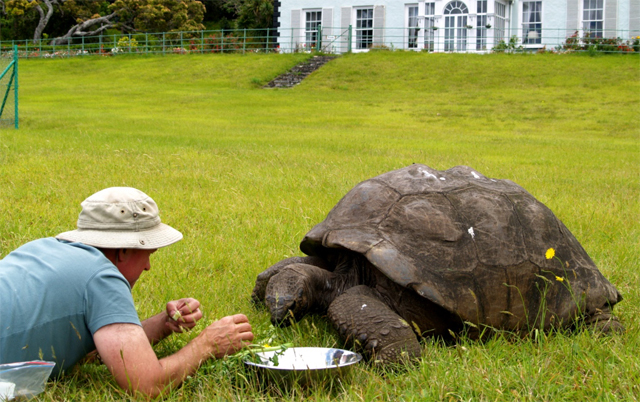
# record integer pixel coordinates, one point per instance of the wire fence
(334, 40)
(9, 89)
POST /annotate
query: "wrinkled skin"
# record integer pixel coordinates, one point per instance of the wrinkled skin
(419, 252)
(352, 299)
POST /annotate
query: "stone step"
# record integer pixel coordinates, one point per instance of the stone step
(299, 72)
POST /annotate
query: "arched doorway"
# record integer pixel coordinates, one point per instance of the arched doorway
(455, 27)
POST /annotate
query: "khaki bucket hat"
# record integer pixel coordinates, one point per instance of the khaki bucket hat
(121, 217)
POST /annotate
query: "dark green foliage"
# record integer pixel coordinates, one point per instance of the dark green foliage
(21, 17)
(256, 14)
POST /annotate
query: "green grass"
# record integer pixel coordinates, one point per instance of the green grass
(245, 172)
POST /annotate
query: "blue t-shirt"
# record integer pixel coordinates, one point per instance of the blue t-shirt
(54, 295)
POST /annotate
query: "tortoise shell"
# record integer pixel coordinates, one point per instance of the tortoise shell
(474, 245)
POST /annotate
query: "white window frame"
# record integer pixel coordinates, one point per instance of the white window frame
(360, 35)
(456, 36)
(500, 22)
(413, 28)
(481, 23)
(599, 32)
(429, 23)
(531, 32)
(311, 27)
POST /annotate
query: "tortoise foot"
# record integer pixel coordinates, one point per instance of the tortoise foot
(371, 326)
(604, 322)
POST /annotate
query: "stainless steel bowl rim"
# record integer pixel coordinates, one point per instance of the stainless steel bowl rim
(354, 358)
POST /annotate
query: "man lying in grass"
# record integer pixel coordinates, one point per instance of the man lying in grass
(64, 297)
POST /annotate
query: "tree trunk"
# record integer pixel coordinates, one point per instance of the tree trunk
(80, 29)
(44, 18)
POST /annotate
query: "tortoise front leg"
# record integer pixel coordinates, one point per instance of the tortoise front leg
(364, 320)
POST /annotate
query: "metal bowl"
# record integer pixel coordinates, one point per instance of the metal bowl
(303, 365)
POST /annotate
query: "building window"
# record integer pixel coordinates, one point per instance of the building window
(592, 17)
(500, 17)
(364, 28)
(481, 23)
(412, 24)
(532, 22)
(312, 22)
(429, 23)
(455, 27)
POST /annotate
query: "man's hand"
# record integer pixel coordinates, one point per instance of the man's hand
(228, 335)
(186, 313)
(183, 314)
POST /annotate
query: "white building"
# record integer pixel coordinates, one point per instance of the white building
(449, 25)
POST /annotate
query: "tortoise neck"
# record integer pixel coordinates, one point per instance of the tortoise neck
(350, 271)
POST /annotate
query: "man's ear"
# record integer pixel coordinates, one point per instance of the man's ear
(121, 254)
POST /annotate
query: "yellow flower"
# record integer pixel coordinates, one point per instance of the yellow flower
(266, 345)
(559, 279)
(550, 253)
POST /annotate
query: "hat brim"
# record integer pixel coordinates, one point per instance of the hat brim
(159, 236)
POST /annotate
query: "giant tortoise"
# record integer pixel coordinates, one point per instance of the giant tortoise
(421, 252)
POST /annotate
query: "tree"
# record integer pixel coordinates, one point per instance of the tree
(93, 17)
(159, 15)
(81, 29)
(21, 8)
(45, 16)
(61, 12)
(255, 14)
(18, 22)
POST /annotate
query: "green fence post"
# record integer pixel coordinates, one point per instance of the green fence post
(244, 41)
(222, 41)
(319, 38)
(266, 45)
(15, 84)
(181, 44)
(146, 43)
(163, 44)
(201, 42)
(349, 38)
(82, 46)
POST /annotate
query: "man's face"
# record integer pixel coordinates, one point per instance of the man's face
(132, 262)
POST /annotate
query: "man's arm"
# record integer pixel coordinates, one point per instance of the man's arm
(126, 351)
(156, 328)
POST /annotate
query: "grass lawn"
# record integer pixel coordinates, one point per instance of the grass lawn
(245, 172)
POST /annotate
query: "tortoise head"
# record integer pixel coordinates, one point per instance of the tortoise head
(288, 295)
(296, 290)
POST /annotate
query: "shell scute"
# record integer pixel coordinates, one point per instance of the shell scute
(427, 229)
(497, 231)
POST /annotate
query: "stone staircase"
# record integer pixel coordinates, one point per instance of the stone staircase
(298, 73)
